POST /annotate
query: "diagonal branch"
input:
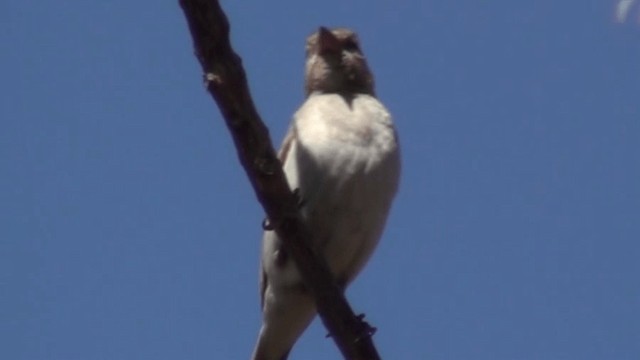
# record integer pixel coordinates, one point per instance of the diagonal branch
(226, 82)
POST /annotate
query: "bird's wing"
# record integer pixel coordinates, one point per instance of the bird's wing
(286, 144)
(282, 156)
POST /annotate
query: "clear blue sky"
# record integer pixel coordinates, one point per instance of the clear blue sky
(129, 231)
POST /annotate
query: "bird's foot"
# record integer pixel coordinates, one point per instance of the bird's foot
(267, 225)
(299, 200)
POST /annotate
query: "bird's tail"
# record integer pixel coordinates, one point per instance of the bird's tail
(268, 350)
(285, 318)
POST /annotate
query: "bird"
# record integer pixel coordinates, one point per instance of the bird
(342, 157)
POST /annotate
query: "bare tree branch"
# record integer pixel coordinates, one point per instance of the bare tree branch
(227, 83)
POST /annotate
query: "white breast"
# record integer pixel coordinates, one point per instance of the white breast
(346, 165)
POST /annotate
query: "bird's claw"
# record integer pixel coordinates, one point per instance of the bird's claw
(267, 225)
(299, 200)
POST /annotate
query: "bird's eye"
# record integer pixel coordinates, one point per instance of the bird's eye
(350, 45)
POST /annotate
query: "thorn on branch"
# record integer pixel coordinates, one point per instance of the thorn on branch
(367, 330)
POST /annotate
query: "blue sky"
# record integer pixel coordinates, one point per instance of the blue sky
(129, 231)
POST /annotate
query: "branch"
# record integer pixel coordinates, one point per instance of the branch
(227, 83)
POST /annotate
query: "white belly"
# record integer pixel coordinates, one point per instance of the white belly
(346, 164)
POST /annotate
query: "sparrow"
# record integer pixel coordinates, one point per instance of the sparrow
(341, 155)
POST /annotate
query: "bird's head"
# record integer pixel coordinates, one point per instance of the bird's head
(335, 64)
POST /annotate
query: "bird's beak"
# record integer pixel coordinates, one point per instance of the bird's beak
(328, 43)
